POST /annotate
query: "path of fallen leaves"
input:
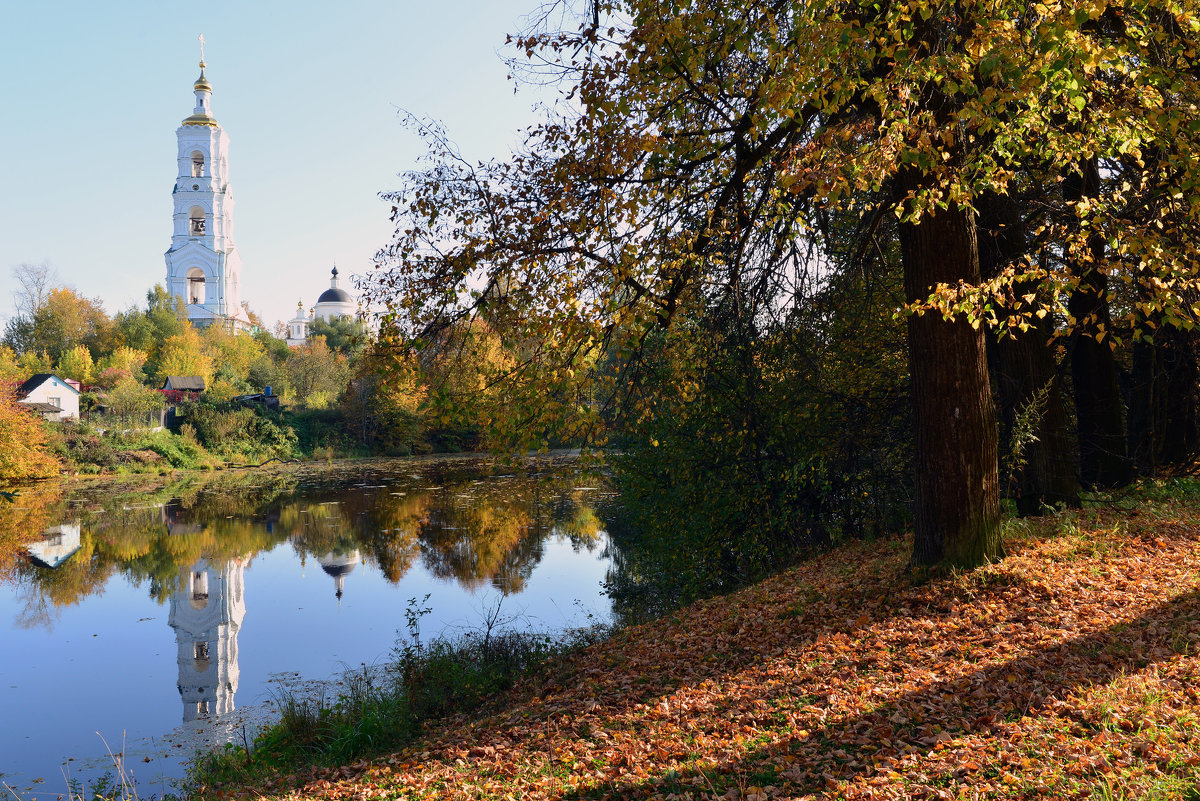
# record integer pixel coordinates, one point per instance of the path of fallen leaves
(1070, 669)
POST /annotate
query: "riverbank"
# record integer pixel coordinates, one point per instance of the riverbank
(1067, 670)
(272, 580)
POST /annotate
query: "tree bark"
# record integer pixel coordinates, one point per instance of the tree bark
(957, 517)
(1025, 373)
(1144, 395)
(1181, 435)
(1163, 400)
(1103, 455)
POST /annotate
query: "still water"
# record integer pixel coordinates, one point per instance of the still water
(151, 621)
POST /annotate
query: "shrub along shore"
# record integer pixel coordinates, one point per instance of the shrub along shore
(210, 435)
(1068, 669)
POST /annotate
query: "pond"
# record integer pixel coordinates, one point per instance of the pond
(145, 621)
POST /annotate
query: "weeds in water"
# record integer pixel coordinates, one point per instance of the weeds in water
(117, 786)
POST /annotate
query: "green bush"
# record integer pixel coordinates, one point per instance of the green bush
(178, 451)
(324, 431)
(232, 430)
(80, 446)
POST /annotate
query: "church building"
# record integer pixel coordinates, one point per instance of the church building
(333, 303)
(203, 264)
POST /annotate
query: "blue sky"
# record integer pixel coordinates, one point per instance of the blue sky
(91, 94)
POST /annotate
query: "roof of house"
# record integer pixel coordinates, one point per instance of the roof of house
(42, 407)
(37, 380)
(191, 383)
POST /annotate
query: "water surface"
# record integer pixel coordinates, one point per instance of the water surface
(149, 621)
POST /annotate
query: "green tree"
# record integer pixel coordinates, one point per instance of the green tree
(130, 397)
(712, 147)
(165, 316)
(31, 363)
(123, 361)
(65, 319)
(77, 364)
(184, 354)
(317, 374)
(346, 335)
(232, 351)
(385, 403)
(10, 369)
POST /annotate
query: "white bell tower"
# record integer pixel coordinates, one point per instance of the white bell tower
(203, 264)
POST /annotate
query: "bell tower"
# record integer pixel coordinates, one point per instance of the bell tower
(203, 264)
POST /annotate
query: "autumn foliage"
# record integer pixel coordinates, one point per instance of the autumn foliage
(23, 452)
(1068, 671)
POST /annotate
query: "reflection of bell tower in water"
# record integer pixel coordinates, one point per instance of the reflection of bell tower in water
(206, 613)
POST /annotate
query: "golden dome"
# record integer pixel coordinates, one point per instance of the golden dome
(202, 82)
(200, 119)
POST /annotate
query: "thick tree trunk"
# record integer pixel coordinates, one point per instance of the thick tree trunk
(1026, 376)
(1144, 397)
(1181, 435)
(957, 486)
(1163, 400)
(1103, 457)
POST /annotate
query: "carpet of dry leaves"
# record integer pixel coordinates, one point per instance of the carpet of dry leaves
(1069, 669)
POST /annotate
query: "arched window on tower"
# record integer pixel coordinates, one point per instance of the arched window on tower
(197, 164)
(195, 285)
(200, 657)
(197, 224)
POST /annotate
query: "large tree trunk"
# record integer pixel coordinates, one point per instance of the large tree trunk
(1103, 457)
(1181, 435)
(1145, 395)
(1027, 381)
(1163, 403)
(957, 516)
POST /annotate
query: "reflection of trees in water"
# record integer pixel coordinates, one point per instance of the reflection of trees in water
(43, 591)
(145, 537)
(477, 544)
(391, 536)
(375, 521)
(23, 518)
(467, 529)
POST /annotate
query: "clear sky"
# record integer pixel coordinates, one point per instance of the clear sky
(91, 95)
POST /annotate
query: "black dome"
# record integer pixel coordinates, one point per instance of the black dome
(335, 296)
(336, 569)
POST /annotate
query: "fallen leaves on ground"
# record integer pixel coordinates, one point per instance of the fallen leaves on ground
(1069, 669)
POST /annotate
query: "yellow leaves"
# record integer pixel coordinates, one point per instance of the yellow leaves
(24, 455)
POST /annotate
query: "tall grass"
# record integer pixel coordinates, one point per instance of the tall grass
(382, 709)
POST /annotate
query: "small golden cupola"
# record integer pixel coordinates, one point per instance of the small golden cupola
(202, 82)
(202, 114)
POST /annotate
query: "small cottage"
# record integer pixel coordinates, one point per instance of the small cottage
(53, 397)
(184, 383)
